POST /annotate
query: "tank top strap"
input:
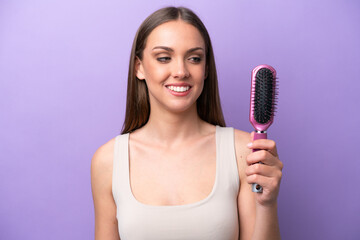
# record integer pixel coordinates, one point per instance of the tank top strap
(120, 166)
(228, 169)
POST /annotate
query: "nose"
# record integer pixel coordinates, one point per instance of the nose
(180, 70)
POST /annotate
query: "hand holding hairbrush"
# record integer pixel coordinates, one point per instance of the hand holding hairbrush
(262, 104)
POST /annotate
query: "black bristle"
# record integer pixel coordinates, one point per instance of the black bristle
(265, 92)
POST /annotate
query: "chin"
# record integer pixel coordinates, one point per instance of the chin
(182, 108)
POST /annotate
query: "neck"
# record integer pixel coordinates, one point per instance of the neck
(171, 128)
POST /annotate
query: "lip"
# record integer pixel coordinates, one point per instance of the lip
(178, 85)
(178, 94)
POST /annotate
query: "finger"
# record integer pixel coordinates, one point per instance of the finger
(266, 182)
(262, 156)
(264, 144)
(259, 179)
(263, 170)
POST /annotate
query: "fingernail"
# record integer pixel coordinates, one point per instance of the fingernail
(249, 144)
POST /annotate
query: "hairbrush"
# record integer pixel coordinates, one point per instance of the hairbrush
(262, 104)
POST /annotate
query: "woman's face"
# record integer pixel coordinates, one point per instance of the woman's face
(173, 66)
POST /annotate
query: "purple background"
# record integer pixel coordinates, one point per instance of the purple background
(63, 70)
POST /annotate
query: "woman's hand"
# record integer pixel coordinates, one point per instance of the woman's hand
(268, 174)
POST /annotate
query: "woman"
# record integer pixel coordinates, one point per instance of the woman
(176, 172)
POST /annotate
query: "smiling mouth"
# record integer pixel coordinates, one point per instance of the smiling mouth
(178, 88)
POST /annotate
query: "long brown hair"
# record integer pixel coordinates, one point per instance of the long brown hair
(137, 102)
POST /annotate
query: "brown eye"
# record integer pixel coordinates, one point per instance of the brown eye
(195, 59)
(163, 59)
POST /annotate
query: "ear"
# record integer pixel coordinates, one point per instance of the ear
(139, 70)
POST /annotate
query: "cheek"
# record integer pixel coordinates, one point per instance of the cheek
(198, 72)
(156, 72)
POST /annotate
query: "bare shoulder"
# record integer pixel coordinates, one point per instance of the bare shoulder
(101, 185)
(103, 156)
(242, 138)
(101, 168)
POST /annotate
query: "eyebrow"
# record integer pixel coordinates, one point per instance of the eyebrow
(172, 50)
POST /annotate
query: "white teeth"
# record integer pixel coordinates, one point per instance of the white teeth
(178, 89)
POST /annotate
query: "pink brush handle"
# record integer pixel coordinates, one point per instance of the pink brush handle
(256, 187)
(259, 136)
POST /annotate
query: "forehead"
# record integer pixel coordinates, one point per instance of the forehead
(175, 33)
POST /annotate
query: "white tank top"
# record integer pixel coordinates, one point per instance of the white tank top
(215, 217)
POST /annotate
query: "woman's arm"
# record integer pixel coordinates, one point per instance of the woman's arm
(258, 211)
(101, 183)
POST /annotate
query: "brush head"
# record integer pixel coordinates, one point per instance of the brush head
(263, 97)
